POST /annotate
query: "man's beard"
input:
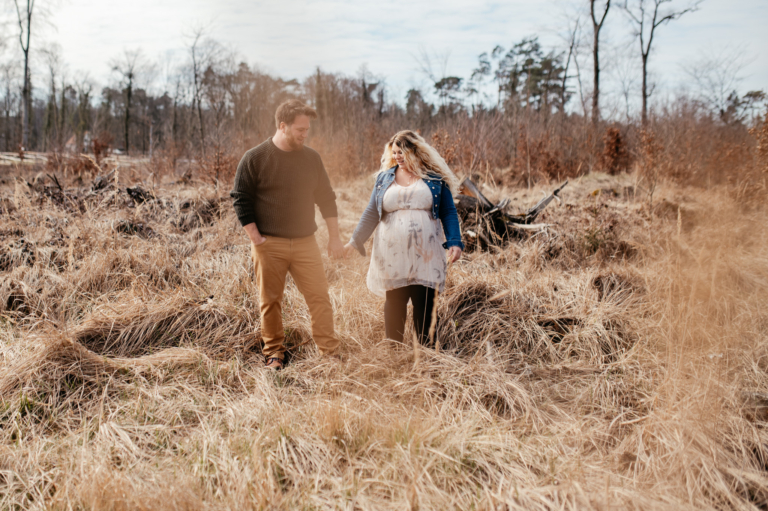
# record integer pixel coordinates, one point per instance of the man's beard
(293, 142)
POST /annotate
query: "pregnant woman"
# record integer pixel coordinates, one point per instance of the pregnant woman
(411, 198)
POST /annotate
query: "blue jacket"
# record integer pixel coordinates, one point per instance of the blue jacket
(442, 208)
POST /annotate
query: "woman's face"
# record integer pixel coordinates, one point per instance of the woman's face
(399, 156)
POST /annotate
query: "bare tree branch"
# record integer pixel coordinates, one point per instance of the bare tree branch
(645, 24)
(131, 66)
(596, 27)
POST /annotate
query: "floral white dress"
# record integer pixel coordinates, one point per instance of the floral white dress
(408, 244)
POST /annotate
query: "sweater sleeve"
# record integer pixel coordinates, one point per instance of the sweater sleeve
(368, 221)
(242, 191)
(325, 197)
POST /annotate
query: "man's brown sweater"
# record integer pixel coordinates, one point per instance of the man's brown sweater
(278, 191)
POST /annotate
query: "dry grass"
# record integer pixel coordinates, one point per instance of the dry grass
(618, 361)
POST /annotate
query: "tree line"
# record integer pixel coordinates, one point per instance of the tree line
(208, 108)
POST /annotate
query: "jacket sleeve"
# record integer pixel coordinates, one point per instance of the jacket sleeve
(242, 191)
(450, 219)
(367, 224)
(325, 197)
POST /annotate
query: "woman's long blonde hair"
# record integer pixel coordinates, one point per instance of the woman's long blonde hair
(421, 158)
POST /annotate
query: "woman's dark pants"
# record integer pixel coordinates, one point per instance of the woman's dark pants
(396, 310)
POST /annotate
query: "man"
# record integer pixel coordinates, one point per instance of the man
(276, 188)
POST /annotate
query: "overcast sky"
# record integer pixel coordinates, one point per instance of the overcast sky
(291, 37)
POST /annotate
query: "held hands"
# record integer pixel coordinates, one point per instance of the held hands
(453, 255)
(349, 250)
(336, 249)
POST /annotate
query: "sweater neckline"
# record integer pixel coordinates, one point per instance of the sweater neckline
(280, 151)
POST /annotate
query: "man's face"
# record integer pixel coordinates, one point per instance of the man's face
(296, 133)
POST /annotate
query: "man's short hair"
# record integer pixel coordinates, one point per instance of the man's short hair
(289, 110)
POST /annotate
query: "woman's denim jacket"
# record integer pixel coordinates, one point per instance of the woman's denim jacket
(442, 208)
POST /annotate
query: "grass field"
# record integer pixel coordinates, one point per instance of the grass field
(618, 360)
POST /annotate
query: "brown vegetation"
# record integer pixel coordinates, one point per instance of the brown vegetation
(614, 359)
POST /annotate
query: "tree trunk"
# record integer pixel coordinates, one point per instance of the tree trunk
(645, 91)
(596, 77)
(25, 103)
(200, 121)
(26, 91)
(596, 27)
(564, 81)
(7, 128)
(62, 117)
(128, 94)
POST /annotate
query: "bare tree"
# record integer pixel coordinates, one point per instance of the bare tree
(582, 99)
(24, 11)
(203, 52)
(4, 38)
(715, 76)
(625, 74)
(129, 66)
(444, 86)
(197, 81)
(172, 80)
(55, 115)
(571, 38)
(596, 27)
(647, 16)
(10, 98)
(83, 89)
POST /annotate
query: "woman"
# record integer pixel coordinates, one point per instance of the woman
(412, 195)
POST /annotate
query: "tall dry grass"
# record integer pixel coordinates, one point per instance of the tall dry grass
(617, 361)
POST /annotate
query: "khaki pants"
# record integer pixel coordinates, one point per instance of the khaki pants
(272, 260)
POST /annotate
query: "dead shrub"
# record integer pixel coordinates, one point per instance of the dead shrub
(218, 166)
(102, 146)
(536, 158)
(615, 157)
(341, 160)
(650, 162)
(760, 135)
(449, 147)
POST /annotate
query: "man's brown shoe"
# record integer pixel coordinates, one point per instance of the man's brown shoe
(274, 363)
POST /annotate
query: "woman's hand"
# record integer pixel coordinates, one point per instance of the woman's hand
(453, 255)
(349, 250)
